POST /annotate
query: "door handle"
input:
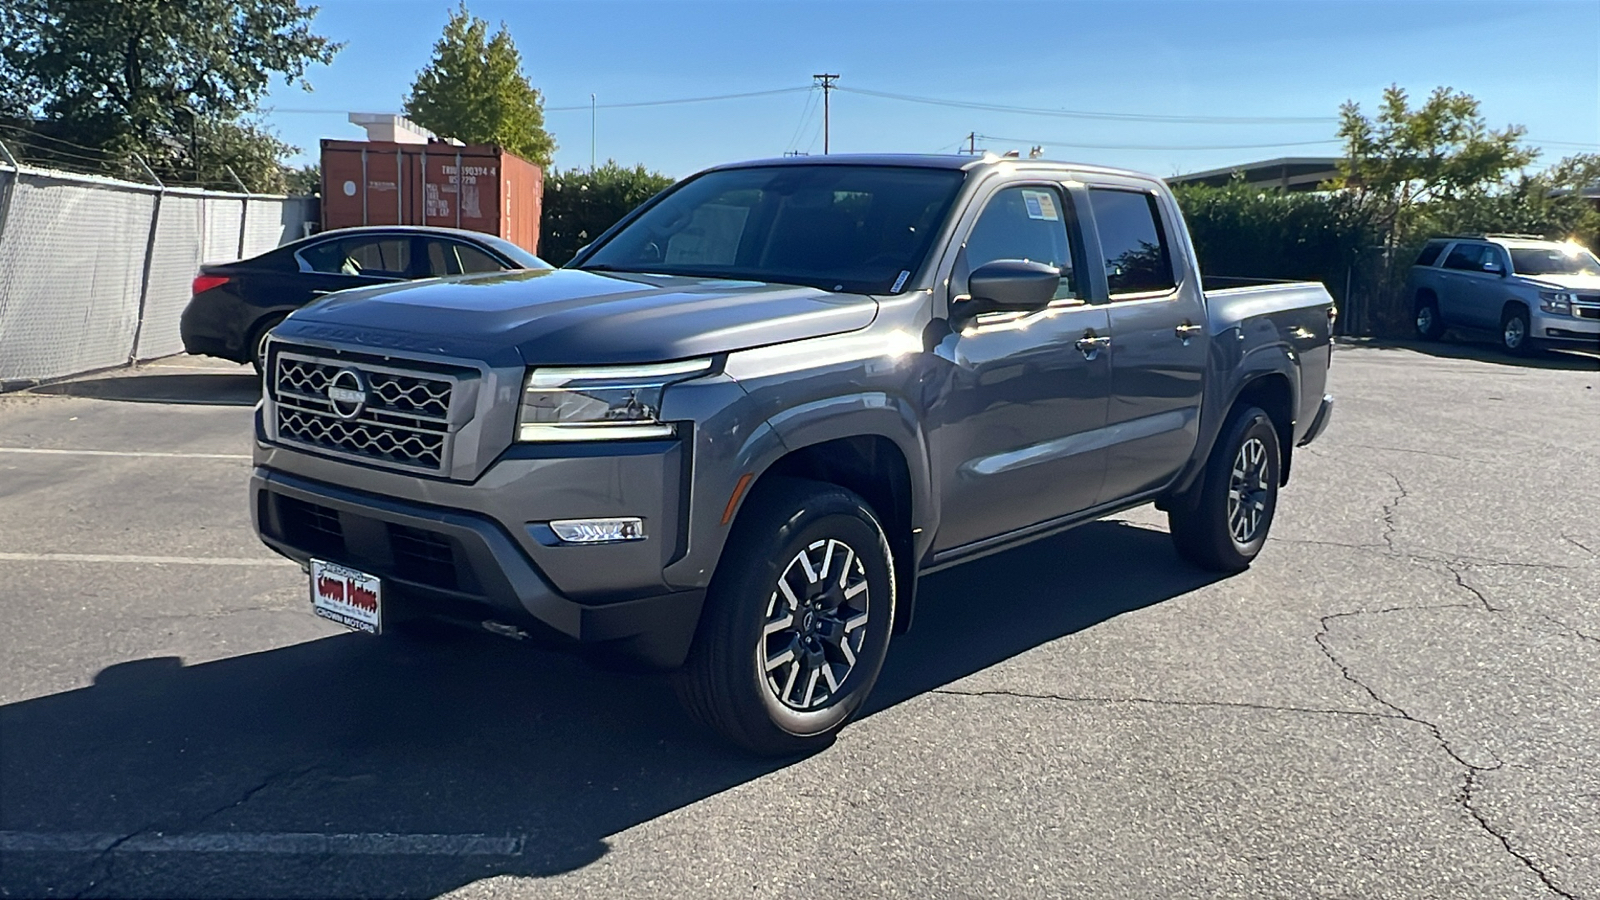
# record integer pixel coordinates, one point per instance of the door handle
(1091, 344)
(1188, 330)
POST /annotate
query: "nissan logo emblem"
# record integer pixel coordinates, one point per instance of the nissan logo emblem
(347, 393)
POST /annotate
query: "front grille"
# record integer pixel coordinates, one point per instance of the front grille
(404, 421)
(1586, 312)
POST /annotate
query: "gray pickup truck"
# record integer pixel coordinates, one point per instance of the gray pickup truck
(732, 433)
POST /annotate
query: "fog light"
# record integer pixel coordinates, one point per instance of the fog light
(598, 531)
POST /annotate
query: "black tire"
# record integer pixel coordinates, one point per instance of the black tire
(1213, 531)
(1516, 335)
(258, 336)
(1428, 322)
(725, 684)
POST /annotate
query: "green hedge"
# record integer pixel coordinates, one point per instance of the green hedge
(579, 205)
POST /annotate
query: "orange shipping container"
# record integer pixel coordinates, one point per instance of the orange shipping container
(478, 187)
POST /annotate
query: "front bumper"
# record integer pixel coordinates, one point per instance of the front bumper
(444, 562)
(1319, 423)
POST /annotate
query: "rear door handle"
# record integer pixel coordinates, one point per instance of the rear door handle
(1091, 344)
(1188, 330)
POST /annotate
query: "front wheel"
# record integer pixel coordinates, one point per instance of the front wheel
(258, 342)
(797, 620)
(1224, 526)
(1514, 332)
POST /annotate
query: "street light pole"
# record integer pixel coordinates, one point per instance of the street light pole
(194, 127)
(592, 109)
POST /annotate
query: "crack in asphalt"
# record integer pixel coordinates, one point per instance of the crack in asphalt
(1581, 546)
(1465, 799)
(1569, 629)
(107, 858)
(1389, 510)
(1155, 701)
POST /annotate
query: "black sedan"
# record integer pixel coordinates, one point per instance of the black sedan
(235, 304)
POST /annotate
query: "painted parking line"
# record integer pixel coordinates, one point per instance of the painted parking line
(144, 560)
(304, 843)
(133, 453)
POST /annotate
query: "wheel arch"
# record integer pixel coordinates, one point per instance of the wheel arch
(1273, 392)
(875, 467)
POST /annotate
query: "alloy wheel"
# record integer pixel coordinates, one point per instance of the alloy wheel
(1425, 320)
(1248, 491)
(1514, 333)
(816, 625)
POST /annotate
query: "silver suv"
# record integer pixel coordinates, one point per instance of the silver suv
(1534, 291)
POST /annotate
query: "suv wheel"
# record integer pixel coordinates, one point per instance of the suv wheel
(1515, 336)
(1224, 526)
(1430, 325)
(796, 622)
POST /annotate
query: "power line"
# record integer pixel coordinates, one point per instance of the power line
(1108, 116)
(642, 103)
(1078, 146)
(805, 119)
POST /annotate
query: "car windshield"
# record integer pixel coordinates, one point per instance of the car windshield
(857, 228)
(1568, 259)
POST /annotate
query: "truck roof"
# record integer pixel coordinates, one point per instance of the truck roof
(927, 161)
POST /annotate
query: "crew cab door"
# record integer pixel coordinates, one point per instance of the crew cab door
(1158, 340)
(1013, 424)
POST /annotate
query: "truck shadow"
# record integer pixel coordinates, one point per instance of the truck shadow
(218, 389)
(480, 736)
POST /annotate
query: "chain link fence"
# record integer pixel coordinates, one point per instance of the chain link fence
(95, 272)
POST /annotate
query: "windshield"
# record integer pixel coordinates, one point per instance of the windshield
(863, 229)
(1568, 259)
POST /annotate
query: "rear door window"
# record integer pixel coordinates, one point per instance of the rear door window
(382, 257)
(474, 260)
(1133, 245)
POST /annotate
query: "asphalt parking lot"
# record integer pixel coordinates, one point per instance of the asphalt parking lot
(1401, 698)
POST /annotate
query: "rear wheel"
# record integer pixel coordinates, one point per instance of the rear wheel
(1430, 325)
(1224, 526)
(796, 622)
(1515, 336)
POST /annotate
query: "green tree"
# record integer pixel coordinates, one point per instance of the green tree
(1402, 162)
(171, 80)
(474, 90)
(579, 205)
(305, 180)
(1403, 157)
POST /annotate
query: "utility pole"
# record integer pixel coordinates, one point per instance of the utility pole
(972, 143)
(827, 86)
(592, 109)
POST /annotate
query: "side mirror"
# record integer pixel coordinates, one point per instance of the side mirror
(1013, 284)
(1493, 268)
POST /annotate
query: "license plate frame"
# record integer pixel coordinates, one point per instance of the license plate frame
(347, 596)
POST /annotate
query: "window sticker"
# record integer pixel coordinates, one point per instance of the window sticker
(1041, 205)
(900, 282)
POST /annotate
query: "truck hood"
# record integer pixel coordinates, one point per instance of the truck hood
(566, 316)
(1566, 282)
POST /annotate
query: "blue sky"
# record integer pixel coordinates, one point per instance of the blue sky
(1530, 63)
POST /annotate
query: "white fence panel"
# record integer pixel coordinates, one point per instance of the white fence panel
(73, 256)
(71, 264)
(174, 261)
(223, 218)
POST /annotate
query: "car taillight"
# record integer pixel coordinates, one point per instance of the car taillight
(203, 283)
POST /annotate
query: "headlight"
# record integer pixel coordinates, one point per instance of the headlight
(600, 404)
(1558, 302)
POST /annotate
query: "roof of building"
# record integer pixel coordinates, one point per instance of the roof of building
(1295, 172)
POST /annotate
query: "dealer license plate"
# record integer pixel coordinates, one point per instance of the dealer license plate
(346, 596)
